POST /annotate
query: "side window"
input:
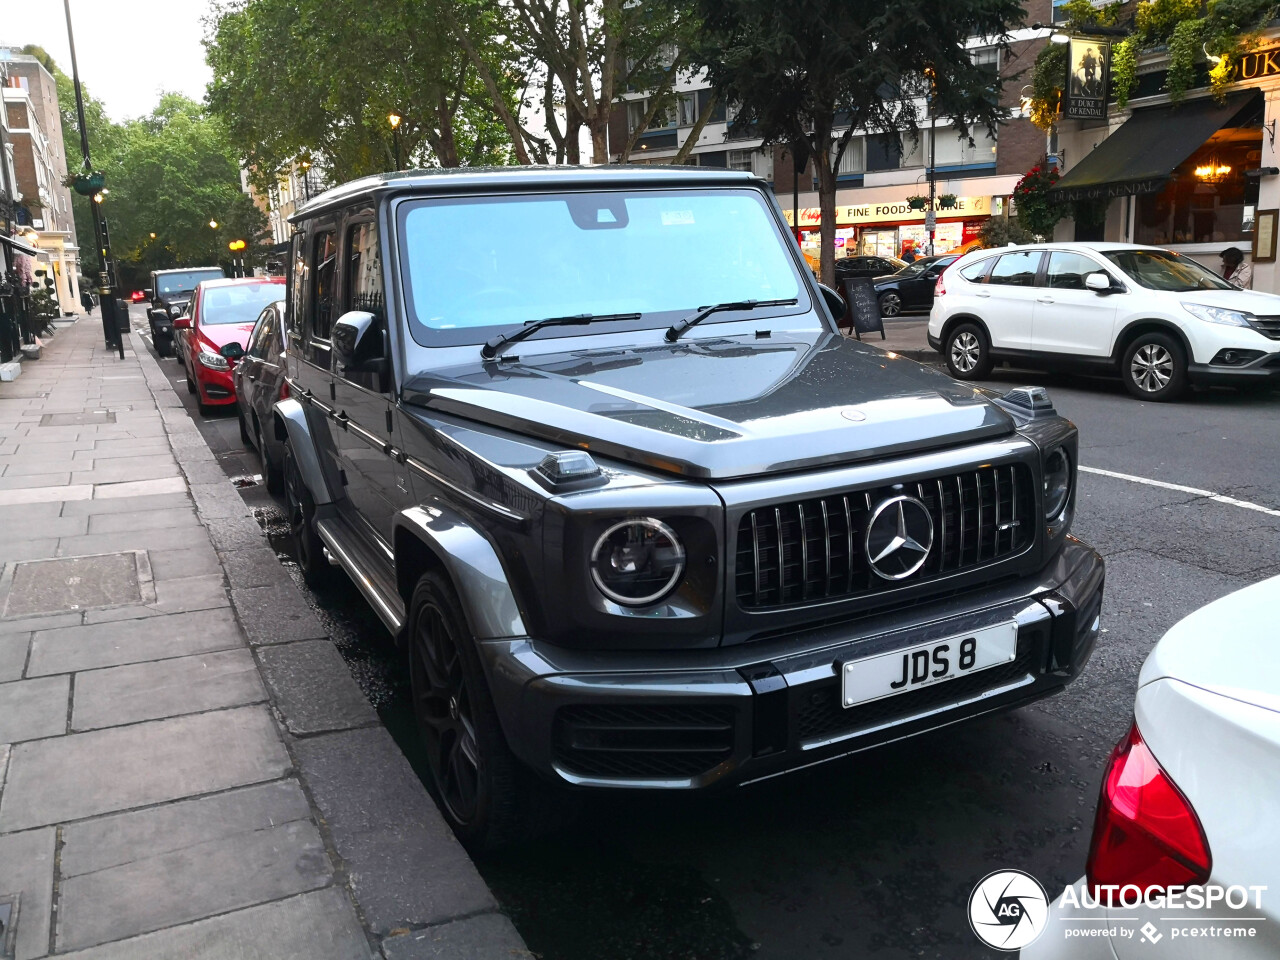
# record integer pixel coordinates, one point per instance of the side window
(323, 274)
(264, 333)
(362, 290)
(1016, 269)
(976, 272)
(1068, 270)
(297, 283)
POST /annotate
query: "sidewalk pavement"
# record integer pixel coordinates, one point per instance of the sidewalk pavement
(187, 769)
(908, 338)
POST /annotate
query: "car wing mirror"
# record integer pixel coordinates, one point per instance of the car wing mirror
(356, 346)
(182, 323)
(835, 302)
(231, 351)
(1098, 282)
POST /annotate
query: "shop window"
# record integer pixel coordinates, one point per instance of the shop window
(1208, 199)
(1016, 269)
(1066, 271)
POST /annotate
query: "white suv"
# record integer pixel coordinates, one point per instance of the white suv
(1160, 319)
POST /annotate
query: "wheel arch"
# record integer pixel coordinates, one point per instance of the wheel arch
(290, 423)
(436, 537)
(959, 318)
(1137, 328)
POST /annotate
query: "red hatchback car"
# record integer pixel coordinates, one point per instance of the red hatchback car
(222, 312)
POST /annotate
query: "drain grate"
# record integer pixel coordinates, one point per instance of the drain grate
(77, 419)
(73, 583)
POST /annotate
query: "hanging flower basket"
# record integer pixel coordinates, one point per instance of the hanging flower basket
(917, 203)
(947, 201)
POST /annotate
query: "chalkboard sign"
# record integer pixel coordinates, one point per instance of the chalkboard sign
(864, 308)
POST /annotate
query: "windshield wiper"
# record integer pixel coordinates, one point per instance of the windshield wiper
(494, 345)
(677, 329)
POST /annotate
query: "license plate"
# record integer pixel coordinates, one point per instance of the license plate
(889, 674)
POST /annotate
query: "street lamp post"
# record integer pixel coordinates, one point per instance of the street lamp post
(394, 119)
(110, 323)
(306, 178)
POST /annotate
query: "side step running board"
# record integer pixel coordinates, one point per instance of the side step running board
(386, 602)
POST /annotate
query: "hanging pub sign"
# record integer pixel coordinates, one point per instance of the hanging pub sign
(1088, 73)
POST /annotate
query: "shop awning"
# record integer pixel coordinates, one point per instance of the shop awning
(1142, 155)
(19, 245)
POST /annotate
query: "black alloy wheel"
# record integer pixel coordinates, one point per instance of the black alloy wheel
(308, 548)
(1155, 367)
(484, 793)
(967, 352)
(890, 304)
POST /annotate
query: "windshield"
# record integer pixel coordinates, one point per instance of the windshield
(237, 303)
(479, 264)
(917, 267)
(171, 283)
(1163, 270)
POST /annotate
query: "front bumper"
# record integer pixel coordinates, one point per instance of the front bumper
(216, 386)
(736, 714)
(1263, 370)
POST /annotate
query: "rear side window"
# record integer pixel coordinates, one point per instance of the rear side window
(324, 271)
(363, 289)
(297, 283)
(1016, 269)
(976, 272)
(1067, 271)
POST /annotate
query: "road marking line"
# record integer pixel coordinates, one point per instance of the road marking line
(1219, 497)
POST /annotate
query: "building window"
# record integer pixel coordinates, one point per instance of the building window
(688, 110)
(1209, 199)
(884, 152)
(953, 150)
(988, 58)
(854, 160)
(740, 159)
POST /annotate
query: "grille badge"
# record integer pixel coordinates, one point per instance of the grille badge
(899, 537)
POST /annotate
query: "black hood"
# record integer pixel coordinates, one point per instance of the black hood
(723, 408)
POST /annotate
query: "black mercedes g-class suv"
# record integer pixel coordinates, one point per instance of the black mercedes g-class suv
(171, 292)
(593, 447)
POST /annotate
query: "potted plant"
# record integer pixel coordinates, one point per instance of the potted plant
(947, 201)
(917, 203)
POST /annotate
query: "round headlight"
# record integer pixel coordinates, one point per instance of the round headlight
(1057, 483)
(637, 561)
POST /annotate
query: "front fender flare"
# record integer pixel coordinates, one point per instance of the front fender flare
(472, 565)
(291, 423)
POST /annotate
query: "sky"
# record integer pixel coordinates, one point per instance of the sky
(129, 51)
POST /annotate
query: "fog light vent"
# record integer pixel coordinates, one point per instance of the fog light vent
(1236, 358)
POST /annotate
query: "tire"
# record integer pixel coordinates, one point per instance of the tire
(164, 346)
(890, 304)
(1155, 367)
(489, 799)
(191, 383)
(308, 548)
(272, 474)
(244, 430)
(968, 352)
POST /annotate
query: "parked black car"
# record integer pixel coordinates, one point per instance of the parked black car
(640, 515)
(911, 288)
(866, 266)
(259, 378)
(170, 293)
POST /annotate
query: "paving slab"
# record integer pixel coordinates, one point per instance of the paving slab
(13, 655)
(313, 689)
(31, 709)
(407, 868)
(104, 771)
(128, 469)
(75, 583)
(162, 538)
(26, 868)
(139, 488)
(252, 567)
(322, 923)
(171, 596)
(29, 625)
(45, 494)
(29, 512)
(165, 688)
(68, 649)
(196, 560)
(487, 937)
(250, 862)
(13, 549)
(143, 520)
(40, 480)
(276, 613)
(153, 502)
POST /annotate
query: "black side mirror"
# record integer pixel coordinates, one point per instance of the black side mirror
(356, 345)
(835, 302)
(232, 351)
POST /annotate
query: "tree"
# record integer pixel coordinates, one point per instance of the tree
(798, 72)
(319, 78)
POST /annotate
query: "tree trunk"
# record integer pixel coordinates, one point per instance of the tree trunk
(827, 205)
(599, 139)
(696, 132)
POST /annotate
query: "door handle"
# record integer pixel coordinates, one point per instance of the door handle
(1045, 300)
(983, 294)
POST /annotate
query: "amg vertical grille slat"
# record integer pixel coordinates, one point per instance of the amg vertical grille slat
(810, 551)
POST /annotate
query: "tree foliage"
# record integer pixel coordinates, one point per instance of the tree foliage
(799, 71)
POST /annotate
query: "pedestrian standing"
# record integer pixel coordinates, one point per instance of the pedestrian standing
(1235, 269)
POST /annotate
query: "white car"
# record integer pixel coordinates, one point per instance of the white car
(1158, 318)
(1191, 796)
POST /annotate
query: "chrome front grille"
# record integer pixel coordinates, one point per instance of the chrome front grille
(1267, 326)
(809, 551)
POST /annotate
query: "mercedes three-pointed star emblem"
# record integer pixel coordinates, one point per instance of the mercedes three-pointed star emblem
(899, 537)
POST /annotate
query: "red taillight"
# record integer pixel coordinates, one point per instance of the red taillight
(284, 389)
(940, 288)
(1145, 833)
